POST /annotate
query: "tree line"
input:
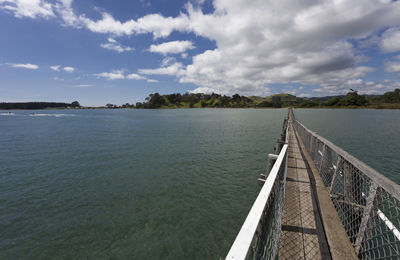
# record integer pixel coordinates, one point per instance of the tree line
(389, 99)
(199, 100)
(38, 105)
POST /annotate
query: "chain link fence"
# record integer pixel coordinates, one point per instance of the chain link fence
(368, 203)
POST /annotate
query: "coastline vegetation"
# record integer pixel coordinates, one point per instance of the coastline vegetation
(389, 100)
(197, 100)
(38, 105)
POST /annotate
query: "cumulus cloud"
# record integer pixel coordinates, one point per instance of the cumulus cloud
(175, 69)
(116, 74)
(156, 24)
(152, 80)
(260, 42)
(391, 40)
(55, 67)
(363, 87)
(264, 42)
(172, 47)
(25, 66)
(113, 45)
(134, 76)
(69, 69)
(120, 74)
(392, 66)
(28, 8)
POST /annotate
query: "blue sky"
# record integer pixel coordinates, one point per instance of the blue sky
(106, 51)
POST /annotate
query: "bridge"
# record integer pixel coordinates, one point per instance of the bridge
(319, 202)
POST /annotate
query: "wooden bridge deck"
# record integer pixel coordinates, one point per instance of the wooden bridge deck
(305, 234)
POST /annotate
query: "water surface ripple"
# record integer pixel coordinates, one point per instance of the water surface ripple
(138, 184)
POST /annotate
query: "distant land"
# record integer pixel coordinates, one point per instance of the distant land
(191, 100)
(38, 105)
(389, 100)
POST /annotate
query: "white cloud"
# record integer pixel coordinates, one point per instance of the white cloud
(175, 69)
(172, 47)
(83, 86)
(152, 81)
(392, 66)
(134, 76)
(55, 67)
(120, 74)
(64, 9)
(115, 46)
(25, 66)
(391, 40)
(363, 87)
(111, 40)
(28, 8)
(266, 42)
(156, 24)
(69, 69)
(116, 74)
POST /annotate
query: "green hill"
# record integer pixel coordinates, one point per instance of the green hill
(199, 100)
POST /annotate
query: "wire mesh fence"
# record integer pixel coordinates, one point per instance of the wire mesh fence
(367, 203)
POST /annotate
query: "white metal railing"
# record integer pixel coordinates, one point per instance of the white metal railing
(259, 235)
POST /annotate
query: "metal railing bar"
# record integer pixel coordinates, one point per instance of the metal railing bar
(242, 243)
(389, 224)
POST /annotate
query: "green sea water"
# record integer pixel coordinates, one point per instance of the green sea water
(129, 184)
(152, 184)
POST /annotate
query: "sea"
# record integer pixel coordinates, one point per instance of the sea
(153, 184)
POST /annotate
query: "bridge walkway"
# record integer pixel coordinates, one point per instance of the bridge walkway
(310, 226)
(302, 234)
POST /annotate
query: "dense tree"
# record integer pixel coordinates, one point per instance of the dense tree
(111, 106)
(333, 101)
(156, 100)
(353, 99)
(392, 97)
(34, 105)
(308, 103)
(276, 102)
(174, 98)
(75, 104)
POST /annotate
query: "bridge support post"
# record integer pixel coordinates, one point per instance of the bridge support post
(271, 161)
(339, 160)
(366, 216)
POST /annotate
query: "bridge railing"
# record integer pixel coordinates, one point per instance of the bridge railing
(259, 236)
(367, 203)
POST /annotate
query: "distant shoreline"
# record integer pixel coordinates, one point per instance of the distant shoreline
(352, 100)
(384, 106)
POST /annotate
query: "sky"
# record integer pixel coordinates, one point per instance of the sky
(120, 51)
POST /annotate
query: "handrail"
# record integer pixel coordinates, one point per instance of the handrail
(382, 181)
(242, 243)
